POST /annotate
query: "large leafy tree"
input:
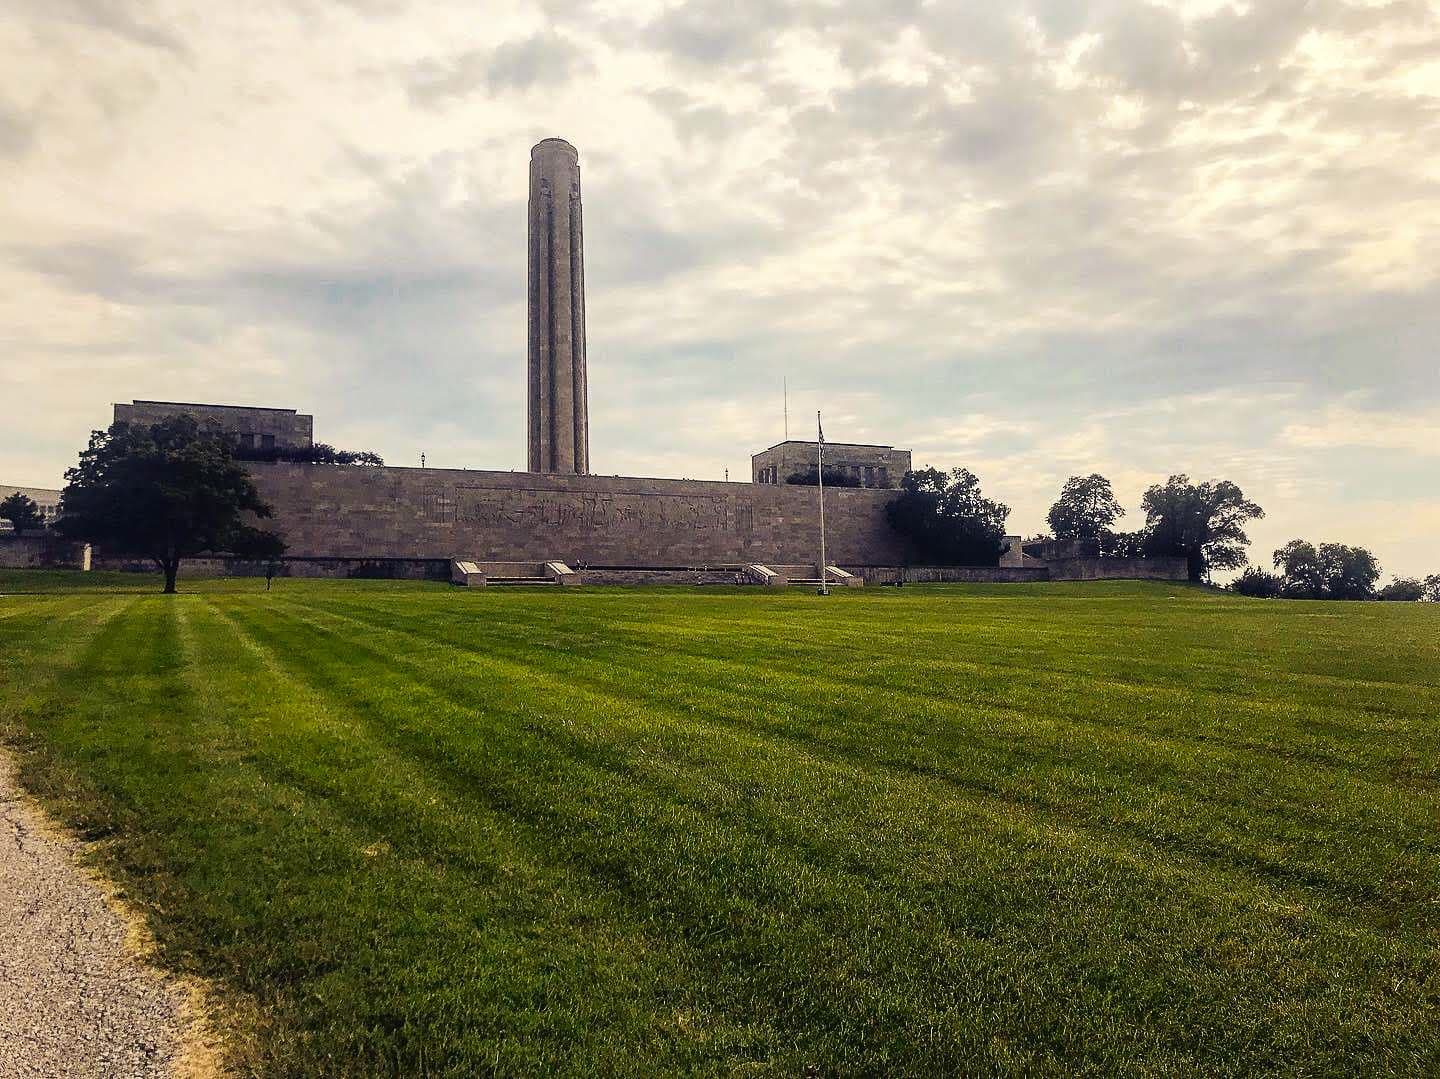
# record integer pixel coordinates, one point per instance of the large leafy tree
(1299, 565)
(21, 511)
(1086, 508)
(1327, 571)
(166, 491)
(1432, 588)
(1350, 572)
(946, 520)
(1406, 589)
(1204, 522)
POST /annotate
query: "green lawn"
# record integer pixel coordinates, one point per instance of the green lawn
(1107, 828)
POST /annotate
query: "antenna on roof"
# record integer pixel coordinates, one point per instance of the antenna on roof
(785, 397)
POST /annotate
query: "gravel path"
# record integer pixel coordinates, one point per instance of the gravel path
(73, 1000)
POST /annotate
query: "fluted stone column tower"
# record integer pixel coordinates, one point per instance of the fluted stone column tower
(559, 415)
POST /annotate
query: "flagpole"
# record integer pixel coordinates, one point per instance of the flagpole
(820, 481)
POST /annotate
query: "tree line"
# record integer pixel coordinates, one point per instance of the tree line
(945, 518)
(1330, 571)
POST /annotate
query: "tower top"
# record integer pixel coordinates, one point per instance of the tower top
(554, 144)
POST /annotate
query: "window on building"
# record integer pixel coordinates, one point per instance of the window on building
(267, 442)
(869, 480)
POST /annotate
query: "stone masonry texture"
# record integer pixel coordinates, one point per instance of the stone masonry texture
(872, 466)
(559, 420)
(258, 428)
(340, 512)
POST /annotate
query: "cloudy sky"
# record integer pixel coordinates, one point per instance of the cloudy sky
(1034, 238)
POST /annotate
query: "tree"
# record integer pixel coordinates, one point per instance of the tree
(1259, 584)
(1299, 566)
(1329, 571)
(166, 491)
(946, 520)
(1350, 572)
(1409, 589)
(834, 477)
(1432, 588)
(1085, 509)
(1203, 522)
(320, 453)
(22, 512)
(1122, 544)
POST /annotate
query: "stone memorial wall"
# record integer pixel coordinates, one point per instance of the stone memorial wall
(332, 511)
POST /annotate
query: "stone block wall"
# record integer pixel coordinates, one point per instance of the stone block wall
(872, 466)
(348, 512)
(882, 575)
(1162, 568)
(381, 569)
(255, 428)
(30, 550)
(618, 575)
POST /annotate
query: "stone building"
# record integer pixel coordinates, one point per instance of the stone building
(879, 467)
(46, 500)
(252, 428)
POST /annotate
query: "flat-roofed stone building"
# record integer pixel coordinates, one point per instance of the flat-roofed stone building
(46, 499)
(879, 467)
(251, 428)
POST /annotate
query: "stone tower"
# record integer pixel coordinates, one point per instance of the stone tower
(559, 415)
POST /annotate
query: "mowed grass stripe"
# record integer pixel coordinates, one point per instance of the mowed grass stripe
(1040, 669)
(727, 709)
(1185, 787)
(951, 682)
(498, 784)
(476, 922)
(812, 969)
(889, 793)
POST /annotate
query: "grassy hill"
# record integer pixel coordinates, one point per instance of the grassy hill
(1109, 827)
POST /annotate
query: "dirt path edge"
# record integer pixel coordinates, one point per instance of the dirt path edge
(79, 995)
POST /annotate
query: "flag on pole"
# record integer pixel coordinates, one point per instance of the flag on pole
(820, 483)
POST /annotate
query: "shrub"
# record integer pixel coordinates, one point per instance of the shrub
(1258, 584)
(318, 454)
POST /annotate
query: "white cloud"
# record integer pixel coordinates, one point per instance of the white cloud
(1342, 428)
